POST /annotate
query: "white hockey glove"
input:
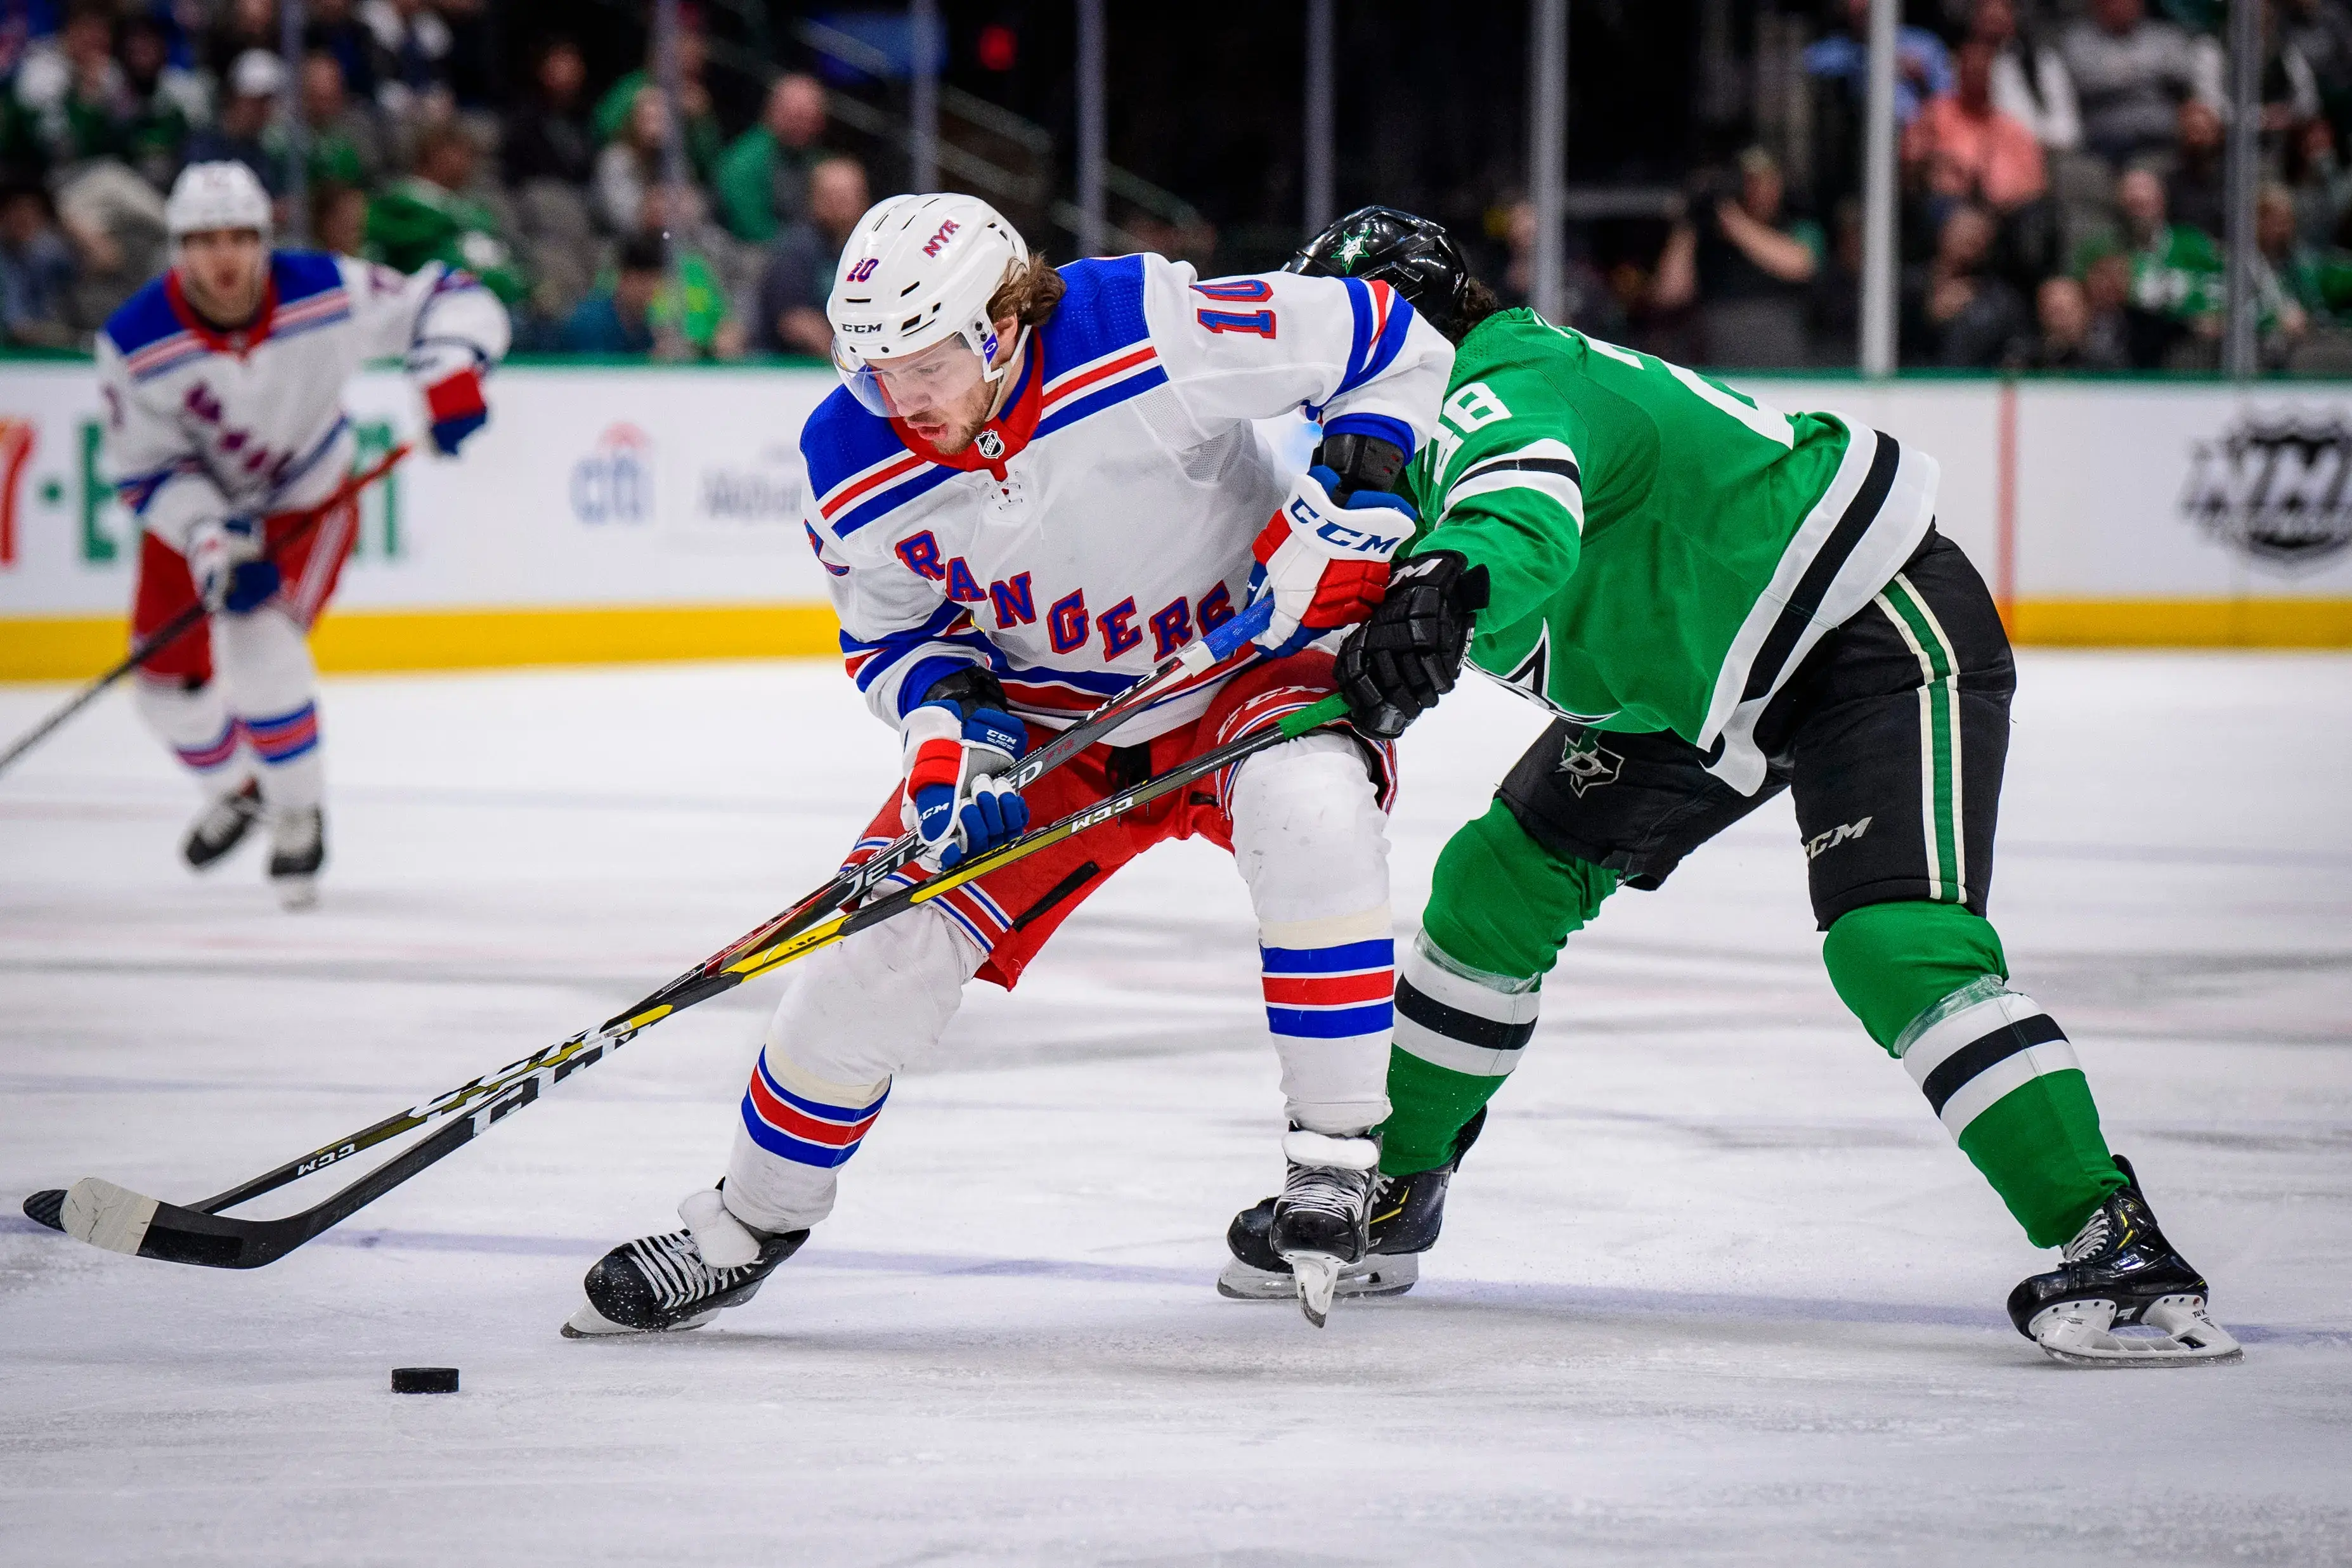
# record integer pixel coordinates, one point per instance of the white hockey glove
(1323, 564)
(956, 754)
(226, 562)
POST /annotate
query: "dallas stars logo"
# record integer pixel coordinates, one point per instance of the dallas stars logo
(1352, 250)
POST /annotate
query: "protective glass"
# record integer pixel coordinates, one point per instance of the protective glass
(898, 389)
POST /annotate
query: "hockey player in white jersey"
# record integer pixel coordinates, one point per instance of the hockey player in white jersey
(224, 386)
(1034, 485)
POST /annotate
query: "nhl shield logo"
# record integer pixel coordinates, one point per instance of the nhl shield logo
(990, 444)
(2275, 490)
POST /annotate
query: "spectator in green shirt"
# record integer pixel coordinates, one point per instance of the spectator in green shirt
(75, 100)
(169, 101)
(341, 144)
(691, 316)
(2176, 269)
(618, 317)
(705, 141)
(762, 181)
(427, 217)
(2298, 284)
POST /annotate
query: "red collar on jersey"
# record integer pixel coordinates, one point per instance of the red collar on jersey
(1008, 433)
(241, 340)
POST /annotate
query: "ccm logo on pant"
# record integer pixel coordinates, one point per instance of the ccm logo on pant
(1831, 838)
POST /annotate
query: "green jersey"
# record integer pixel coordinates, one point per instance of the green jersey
(1662, 552)
(416, 221)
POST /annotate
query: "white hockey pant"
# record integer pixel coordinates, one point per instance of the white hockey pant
(260, 706)
(1310, 841)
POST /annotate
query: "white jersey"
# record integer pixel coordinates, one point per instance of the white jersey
(203, 427)
(1104, 518)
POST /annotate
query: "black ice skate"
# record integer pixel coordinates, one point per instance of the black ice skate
(297, 848)
(2119, 1271)
(221, 826)
(1407, 1212)
(1322, 1221)
(681, 1280)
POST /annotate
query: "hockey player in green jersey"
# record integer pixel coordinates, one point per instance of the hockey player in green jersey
(1716, 601)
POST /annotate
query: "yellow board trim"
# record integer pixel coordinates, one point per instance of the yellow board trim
(2182, 623)
(354, 642)
(351, 641)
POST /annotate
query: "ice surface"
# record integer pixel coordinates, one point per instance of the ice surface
(1715, 1287)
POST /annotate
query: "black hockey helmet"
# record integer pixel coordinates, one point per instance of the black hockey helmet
(1413, 255)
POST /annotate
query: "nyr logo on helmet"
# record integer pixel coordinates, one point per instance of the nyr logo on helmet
(933, 246)
(863, 270)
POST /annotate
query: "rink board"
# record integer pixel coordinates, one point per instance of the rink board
(619, 514)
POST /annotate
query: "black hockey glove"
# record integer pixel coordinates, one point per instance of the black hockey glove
(1395, 666)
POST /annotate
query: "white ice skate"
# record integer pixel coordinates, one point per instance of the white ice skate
(1322, 1221)
(297, 848)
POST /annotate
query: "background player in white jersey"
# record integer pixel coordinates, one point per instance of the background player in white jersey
(224, 384)
(1034, 485)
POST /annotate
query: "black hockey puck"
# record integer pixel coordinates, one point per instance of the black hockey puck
(425, 1380)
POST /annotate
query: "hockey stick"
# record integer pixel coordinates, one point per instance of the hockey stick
(1226, 642)
(112, 1216)
(187, 620)
(120, 1220)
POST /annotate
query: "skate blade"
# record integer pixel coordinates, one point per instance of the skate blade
(295, 893)
(2083, 1337)
(1373, 1277)
(1316, 1278)
(590, 1323)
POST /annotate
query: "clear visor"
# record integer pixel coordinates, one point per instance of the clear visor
(935, 377)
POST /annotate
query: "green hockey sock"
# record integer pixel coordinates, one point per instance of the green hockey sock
(1929, 982)
(1467, 991)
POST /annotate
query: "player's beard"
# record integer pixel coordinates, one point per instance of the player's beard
(953, 436)
(964, 423)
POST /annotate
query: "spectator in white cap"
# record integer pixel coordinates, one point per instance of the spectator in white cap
(256, 82)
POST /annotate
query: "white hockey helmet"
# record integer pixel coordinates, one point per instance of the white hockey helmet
(224, 195)
(910, 304)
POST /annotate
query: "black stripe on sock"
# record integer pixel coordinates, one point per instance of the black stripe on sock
(1453, 1023)
(1821, 571)
(1973, 1058)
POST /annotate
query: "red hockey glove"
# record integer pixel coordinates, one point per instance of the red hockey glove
(1323, 564)
(456, 405)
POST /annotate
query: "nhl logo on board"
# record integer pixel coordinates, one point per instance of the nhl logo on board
(990, 444)
(2275, 491)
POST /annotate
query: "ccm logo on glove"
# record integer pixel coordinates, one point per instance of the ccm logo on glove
(955, 762)
(1325, 564)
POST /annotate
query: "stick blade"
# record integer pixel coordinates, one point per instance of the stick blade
(106, 1216)
(120, 1220)
(47, 1208)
